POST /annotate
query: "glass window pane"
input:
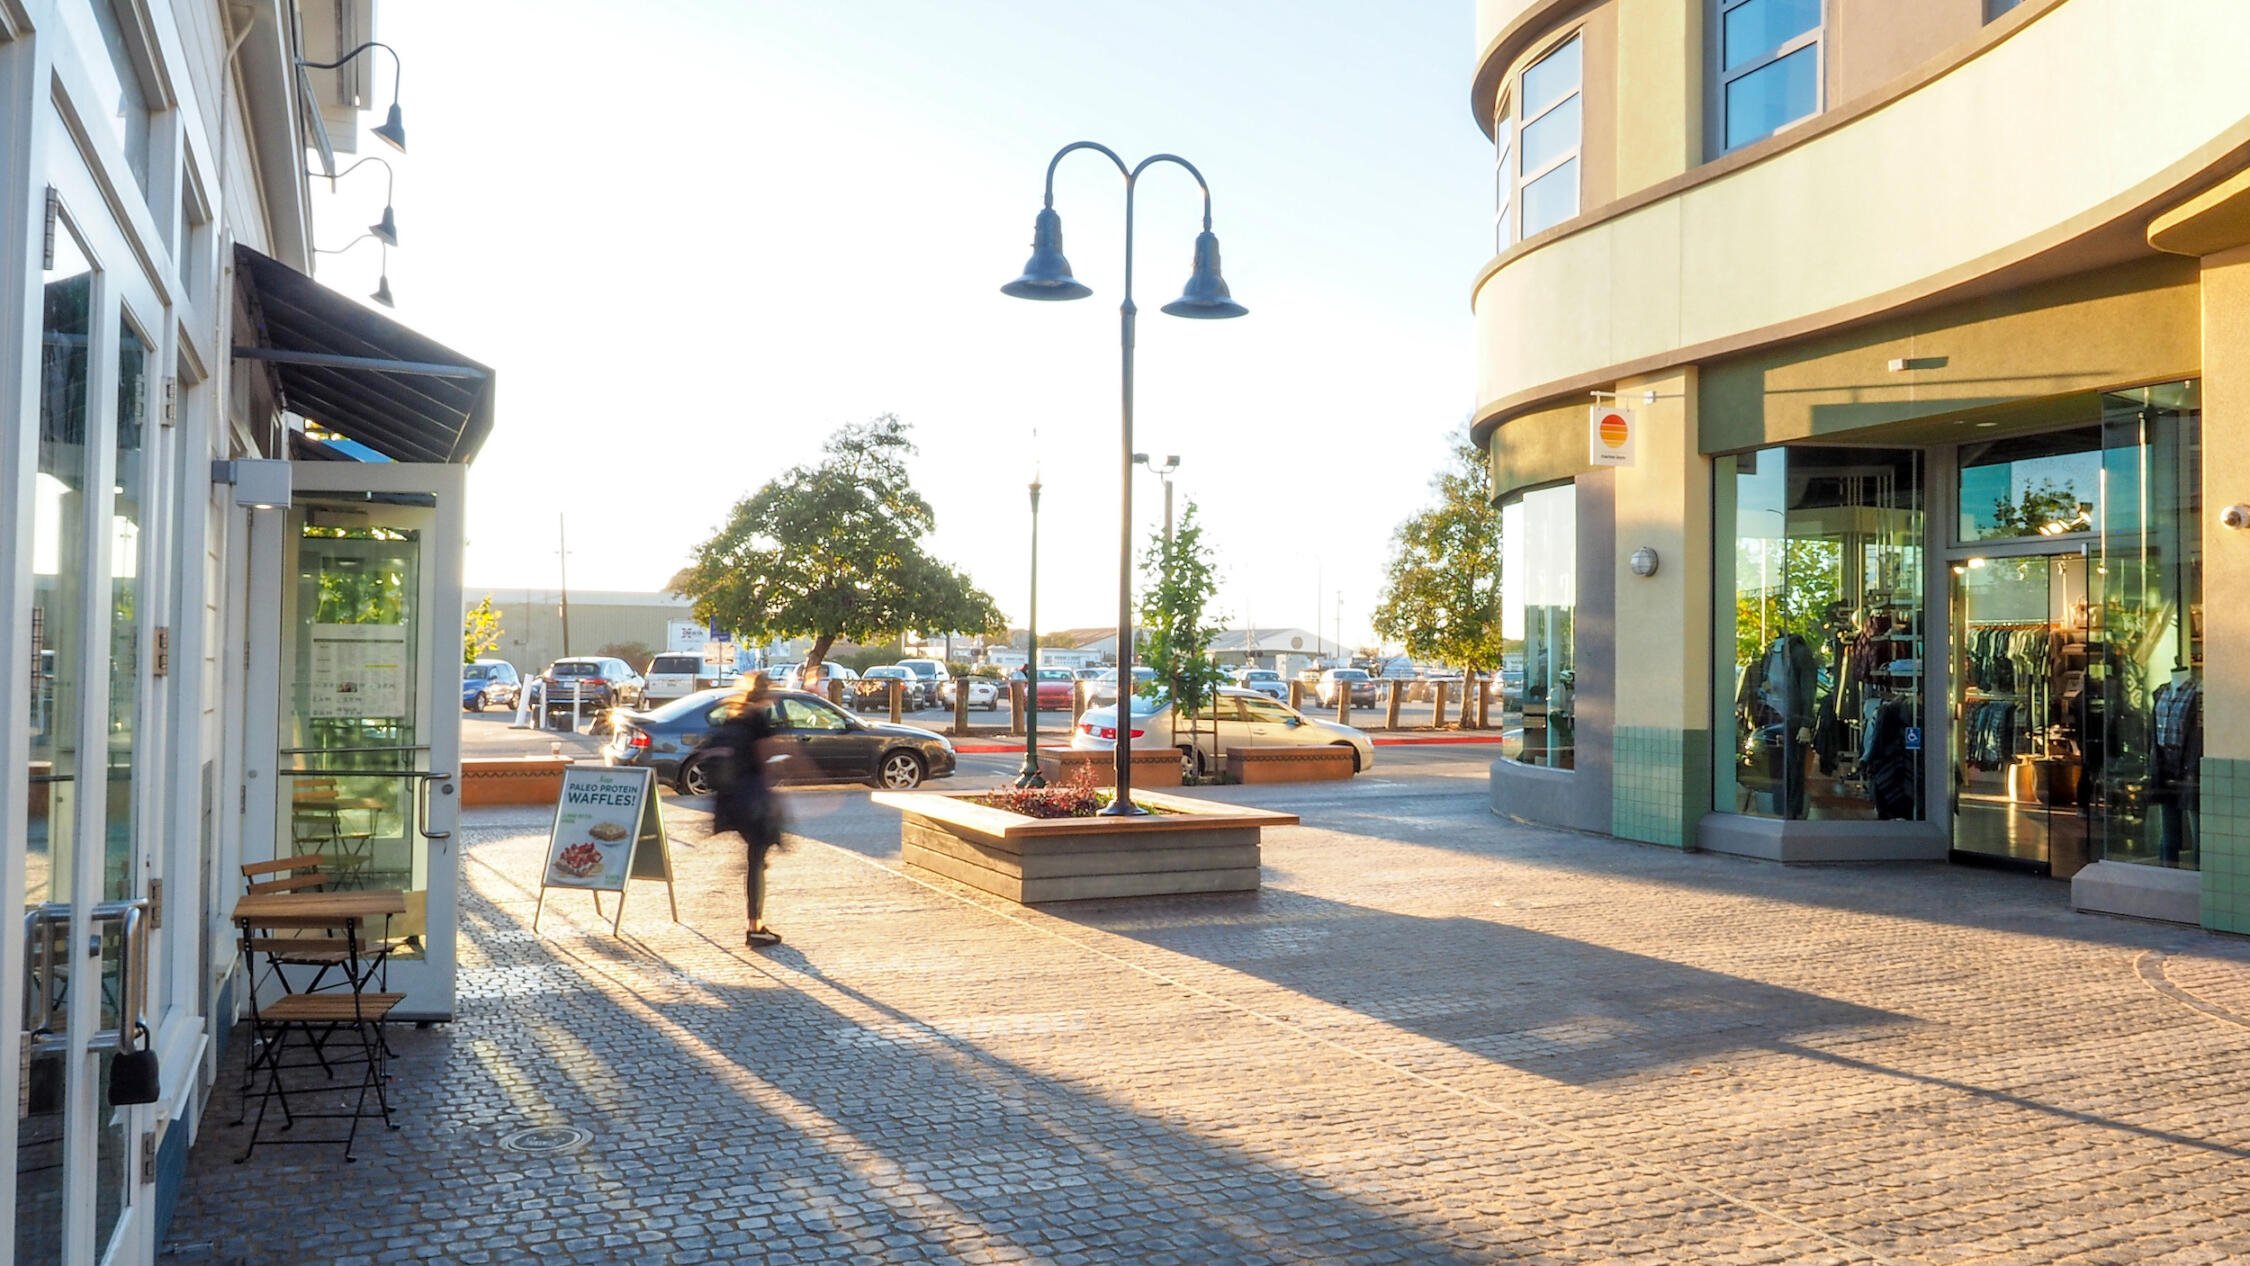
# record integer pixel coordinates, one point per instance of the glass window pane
(1826, 645)
(2033, 485)
(125, 602)
(1773, 96)
(1759, 29)
(1555, 77)
(1551, 199)
(1538, 610)
(1553, 135)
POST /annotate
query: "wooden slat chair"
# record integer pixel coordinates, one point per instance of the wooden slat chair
(340, 1030)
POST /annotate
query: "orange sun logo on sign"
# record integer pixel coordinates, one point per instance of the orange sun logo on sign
(1614, 430)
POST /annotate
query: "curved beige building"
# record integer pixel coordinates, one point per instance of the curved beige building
(1923, 322)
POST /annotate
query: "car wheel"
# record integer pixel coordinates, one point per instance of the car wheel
(483, 701)
(1191, 763)
(695, 780)
(900, 771)
(1353, 750)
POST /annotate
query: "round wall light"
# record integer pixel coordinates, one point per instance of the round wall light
(1644, 561)
(2235, 516)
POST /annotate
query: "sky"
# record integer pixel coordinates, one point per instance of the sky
(694, 237)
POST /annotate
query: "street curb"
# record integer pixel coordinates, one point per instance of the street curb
(1407, 740)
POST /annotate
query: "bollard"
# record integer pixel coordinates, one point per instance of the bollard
(1016, 690)
(1484, 705)
(1469, 693)
(960, 707)
(1398, 693)
(897, 693)
(1079, 689)
(1297, 695)
(1343, 703)
(577, 695)
(1437, 717)
(834, 687)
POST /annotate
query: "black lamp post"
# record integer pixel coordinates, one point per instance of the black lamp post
(1047, 276)
(1029, 775)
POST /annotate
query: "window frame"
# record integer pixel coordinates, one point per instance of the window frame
(1504, 173)
(1721, 78)
(1524, 179)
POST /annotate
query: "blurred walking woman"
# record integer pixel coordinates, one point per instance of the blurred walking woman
(746, 803)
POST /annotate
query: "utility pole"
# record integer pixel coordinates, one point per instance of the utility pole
(562, 554)
(1340, 627)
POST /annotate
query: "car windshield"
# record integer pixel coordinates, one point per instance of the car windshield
(1350, 674)
(475, 672)
(1143, 705)
(567, 669)
(1263, 674)
(1056, 674)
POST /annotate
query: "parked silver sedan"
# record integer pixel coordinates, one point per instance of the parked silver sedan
(1237, 718)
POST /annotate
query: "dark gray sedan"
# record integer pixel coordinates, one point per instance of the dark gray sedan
(829, 744)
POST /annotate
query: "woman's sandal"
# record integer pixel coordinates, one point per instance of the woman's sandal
(761, 936)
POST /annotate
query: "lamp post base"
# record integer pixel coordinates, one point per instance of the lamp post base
(1029, 775)
(1121, 807)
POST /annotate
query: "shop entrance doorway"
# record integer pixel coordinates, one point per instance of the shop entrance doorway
(2028, 727)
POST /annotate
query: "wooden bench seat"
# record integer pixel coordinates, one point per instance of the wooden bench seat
(339, 1007)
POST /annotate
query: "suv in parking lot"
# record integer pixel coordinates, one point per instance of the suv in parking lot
(674, 675)
(1335, 681)
(932, 673)
(873, 689)
(598, 682)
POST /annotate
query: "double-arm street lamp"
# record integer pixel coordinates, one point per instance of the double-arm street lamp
(1047, 276)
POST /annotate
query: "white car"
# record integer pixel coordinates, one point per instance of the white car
(1104, 689)
(1265, 681)
(1237, 718)
(795, 678)
(984, 692)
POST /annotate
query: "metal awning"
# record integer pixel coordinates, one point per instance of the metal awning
(360, 374)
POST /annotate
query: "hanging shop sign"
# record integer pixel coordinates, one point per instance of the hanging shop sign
(608, 831)
(1610, 436)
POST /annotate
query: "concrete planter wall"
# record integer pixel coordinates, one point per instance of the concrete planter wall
(1154, 766)
(1201, 846)
(512, 780)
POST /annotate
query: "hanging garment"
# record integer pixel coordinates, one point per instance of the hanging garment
(1887, 764)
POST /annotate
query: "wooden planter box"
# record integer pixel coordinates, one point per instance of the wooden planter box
(1289, 764)
(513, 780)
(1154, 766)
(1201, 846)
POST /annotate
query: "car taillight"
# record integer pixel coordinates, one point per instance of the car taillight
(636, 740)
(596, 681)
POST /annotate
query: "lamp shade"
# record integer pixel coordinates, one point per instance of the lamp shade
(382, 293)
(1206, 297)
(385, 230)
(393, 130)
(1047, 274)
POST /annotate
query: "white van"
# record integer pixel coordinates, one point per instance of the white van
(673, 676)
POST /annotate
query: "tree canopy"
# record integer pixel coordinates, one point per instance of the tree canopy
(834, 550)
(480, 631)
(1441, 596)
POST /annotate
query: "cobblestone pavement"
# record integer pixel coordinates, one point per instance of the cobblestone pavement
(1434, 1037)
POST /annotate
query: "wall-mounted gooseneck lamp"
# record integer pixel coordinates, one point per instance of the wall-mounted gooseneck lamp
(382, 293)
(393, 130)
(384, 230)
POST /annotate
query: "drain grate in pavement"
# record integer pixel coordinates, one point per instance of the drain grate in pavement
(547, 1140)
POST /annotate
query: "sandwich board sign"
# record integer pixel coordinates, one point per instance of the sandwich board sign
(608, 831)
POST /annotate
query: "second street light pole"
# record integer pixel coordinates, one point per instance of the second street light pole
(1029, 775)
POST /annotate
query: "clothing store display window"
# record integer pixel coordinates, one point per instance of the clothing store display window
(1538, 605)
(1819, 633)
(2077, 639)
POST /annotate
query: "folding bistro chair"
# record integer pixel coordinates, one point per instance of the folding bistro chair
(338, 1029)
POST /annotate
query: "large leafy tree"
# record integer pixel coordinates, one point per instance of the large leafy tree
(1441, 596)
(480, 631)
(834, 551)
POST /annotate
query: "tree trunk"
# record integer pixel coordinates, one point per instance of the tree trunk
(818, 654)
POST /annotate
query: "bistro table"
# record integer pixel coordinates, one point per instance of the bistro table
(318, 1016)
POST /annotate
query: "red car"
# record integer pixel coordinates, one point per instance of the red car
(1056, 688)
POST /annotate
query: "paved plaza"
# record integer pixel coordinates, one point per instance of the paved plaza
(1435, 1036)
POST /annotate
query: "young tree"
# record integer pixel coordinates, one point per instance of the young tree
(1441, 598)
(835, 551)
(1179, 581)
(480, 631)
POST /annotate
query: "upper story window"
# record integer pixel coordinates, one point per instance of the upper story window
(1548, 140)
(1994, 8)
(1769, 66)
(1503, 176)
(125, 97)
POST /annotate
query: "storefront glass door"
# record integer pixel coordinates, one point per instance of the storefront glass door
(78, 1180)
(2024, 725)
(368, 741)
